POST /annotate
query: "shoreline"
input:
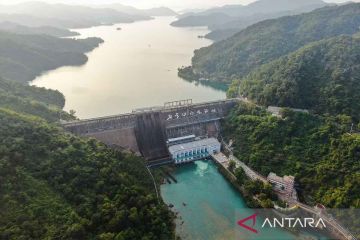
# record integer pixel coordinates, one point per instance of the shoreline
(252, 203)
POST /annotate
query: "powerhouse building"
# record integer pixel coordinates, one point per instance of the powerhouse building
(193, 150)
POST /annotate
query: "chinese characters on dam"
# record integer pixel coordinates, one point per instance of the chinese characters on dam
(190, 113)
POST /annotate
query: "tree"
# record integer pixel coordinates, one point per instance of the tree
(240, 175)
(232, 165)
(72, 112)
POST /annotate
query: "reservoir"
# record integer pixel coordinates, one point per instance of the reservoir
(135, 67)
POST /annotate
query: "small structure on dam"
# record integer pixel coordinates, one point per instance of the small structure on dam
(147, 131)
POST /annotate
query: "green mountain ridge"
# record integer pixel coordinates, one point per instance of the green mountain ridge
(237, 11)
(268, 40)
(228, 20)
(323, 76)
(318, 150)
(228, 29)
(23, 57)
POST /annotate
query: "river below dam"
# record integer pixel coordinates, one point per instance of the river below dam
(135, 67)
(208, 207)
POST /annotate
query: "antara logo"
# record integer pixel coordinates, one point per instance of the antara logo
(253, 218)
(282, 222)
(294, 222)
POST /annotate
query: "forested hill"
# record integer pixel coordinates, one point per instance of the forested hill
(323, 76)
(271, 39)
(318, 150)
(23, 57)
(32, 100)
(21, 29)
(57, 186)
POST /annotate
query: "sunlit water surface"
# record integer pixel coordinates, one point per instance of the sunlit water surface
(136, 67)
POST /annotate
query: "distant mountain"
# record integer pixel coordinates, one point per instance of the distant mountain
(261, 7)
(230, 10)
(323, 76)
(23, 57)
(161, 11)
(61, 15)
(230, 28)
(20, 29)
(271, 6)
(147, 13)
(203, 20)
(230, 19)
(191, 11)
(268, 40)
(123, 8)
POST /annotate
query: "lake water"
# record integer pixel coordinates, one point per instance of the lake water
(136, 67)
(213, 207)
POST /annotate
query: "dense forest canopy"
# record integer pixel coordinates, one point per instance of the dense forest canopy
(323, 77)
(318, 150)
(268, 40)
(55, 185)
(41, 102)
(51, 97)
(23, 57)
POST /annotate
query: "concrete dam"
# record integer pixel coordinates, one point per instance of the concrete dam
(146, 131)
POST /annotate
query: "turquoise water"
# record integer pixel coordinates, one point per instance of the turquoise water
(212, 206)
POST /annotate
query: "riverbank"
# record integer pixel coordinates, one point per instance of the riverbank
(250, 201)
(254, 202)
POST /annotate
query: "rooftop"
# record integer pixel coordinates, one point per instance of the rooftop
(286, 179)
(180, 138)
(276, 111)
(194, 144)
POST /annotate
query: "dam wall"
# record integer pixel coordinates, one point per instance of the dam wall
(151, 136)
(145, 131)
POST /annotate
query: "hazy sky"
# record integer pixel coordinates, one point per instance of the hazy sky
(175, 4)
